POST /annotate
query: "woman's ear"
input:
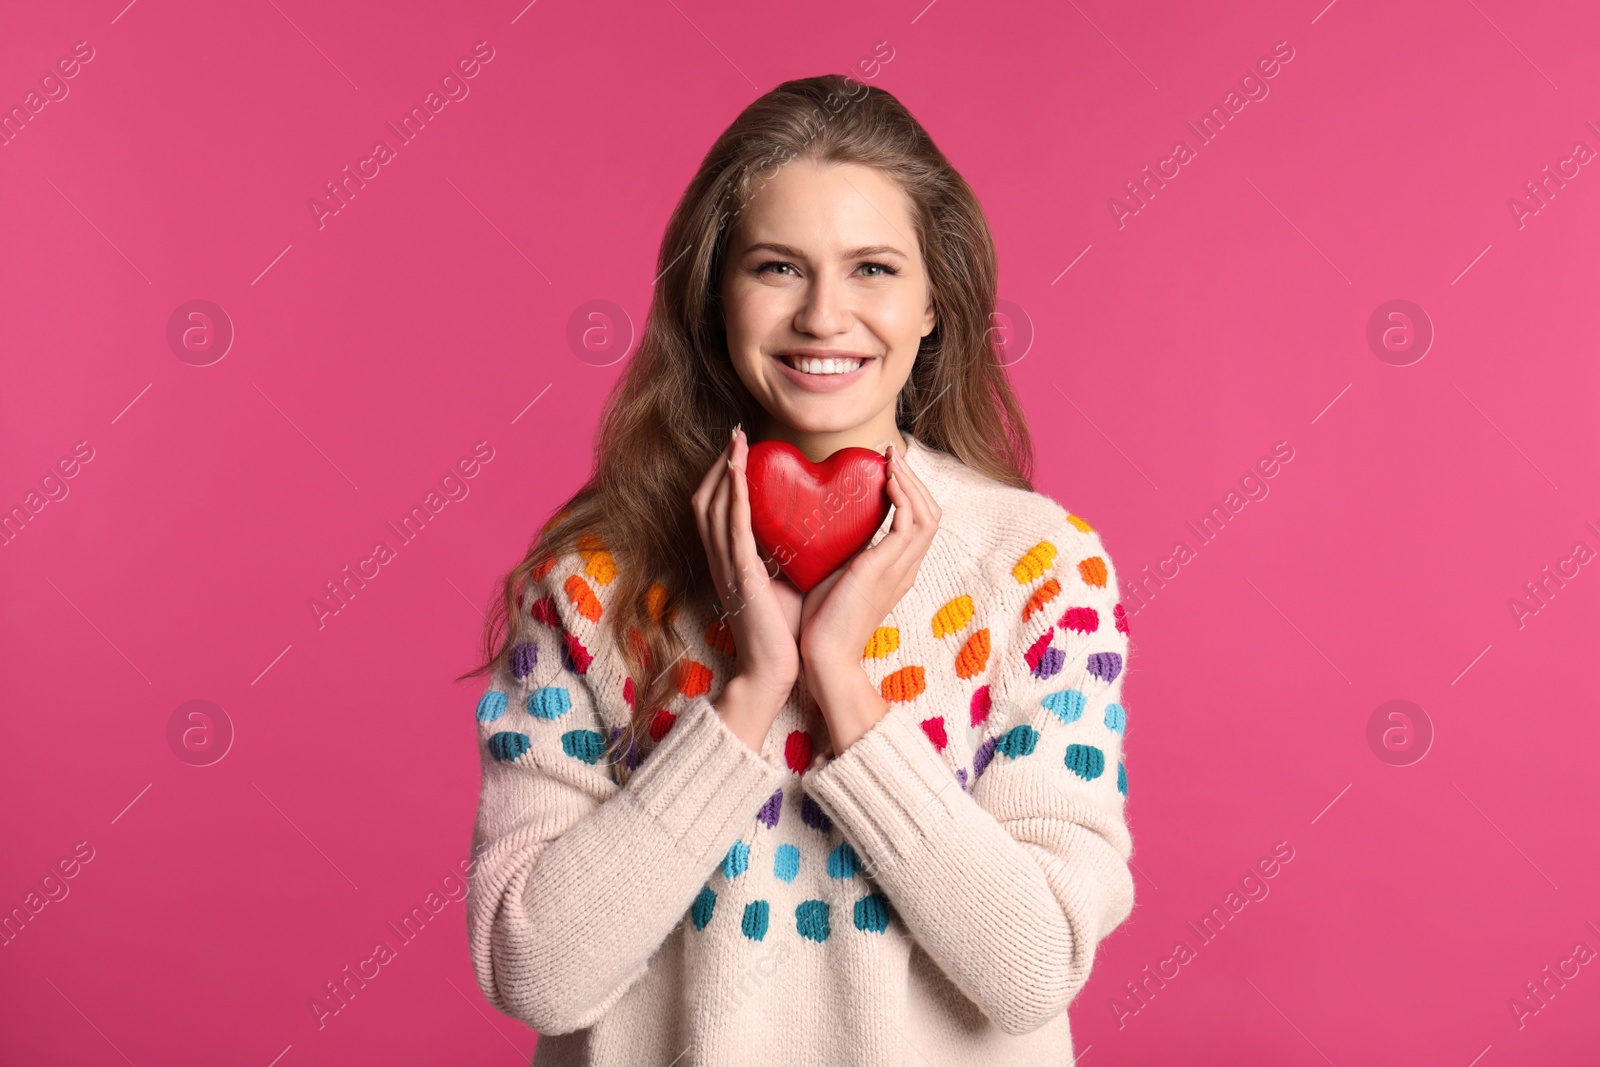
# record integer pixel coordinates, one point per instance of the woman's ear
(930, 318)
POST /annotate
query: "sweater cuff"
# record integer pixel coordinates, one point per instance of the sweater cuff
(889, 791)
(702, 783)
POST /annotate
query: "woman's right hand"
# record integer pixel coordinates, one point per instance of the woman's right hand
(763, 612)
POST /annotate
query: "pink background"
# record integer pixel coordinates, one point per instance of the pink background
(371, 354)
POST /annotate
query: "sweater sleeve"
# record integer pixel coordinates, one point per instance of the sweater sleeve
(575, 881)
(1010, 887)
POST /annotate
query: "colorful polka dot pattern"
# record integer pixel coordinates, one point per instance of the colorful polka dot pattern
(704, 904)
(586, 745)
(582, 597)
(985, 753)
(491, 705)
(966, 651)
(797, 751)
(1105, 666)
(958, 617)
(1083, 620)
(550, 702)
(978, 710)
(544, 610)
(811, 920)
(507, 745)
(843, 861)
(574, 657)
(631, 757)
(1116, 719)
(786, 863)
(597, 562)
(695, 679)
(907, 683)
(1067, 704)
(872, 913)
(884, 640)
(578, 594)
(771, 810)
(1018, 741)
(1086, 761)
(719, 635)
(813, 816)
(974, 655)
(1041, 596)
(953, 617)
(1044, 660)
(1034, 562)
(756, 914)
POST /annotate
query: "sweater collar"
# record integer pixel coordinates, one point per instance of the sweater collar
(930, 465)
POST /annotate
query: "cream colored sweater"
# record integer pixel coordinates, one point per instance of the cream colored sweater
(931, 896)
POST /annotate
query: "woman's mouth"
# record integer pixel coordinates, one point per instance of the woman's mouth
(813, 365)
(822, 374)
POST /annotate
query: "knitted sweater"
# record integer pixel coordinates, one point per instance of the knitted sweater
(932, 895)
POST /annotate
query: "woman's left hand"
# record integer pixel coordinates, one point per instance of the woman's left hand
(840, 614)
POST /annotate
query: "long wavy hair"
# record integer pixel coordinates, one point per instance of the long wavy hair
(668, 416)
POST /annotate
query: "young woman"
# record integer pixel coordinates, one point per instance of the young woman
(723, 823)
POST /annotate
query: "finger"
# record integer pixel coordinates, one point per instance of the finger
(892, 542)
(925, 509)
(722, 572)
(701, 498)
(905, 508)
(879, 571)
(717, 519)
(910, 519)
(745, 553)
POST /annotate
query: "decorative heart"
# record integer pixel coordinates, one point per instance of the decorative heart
(810, 517)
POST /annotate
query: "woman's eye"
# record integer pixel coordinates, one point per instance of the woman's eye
(875, 270)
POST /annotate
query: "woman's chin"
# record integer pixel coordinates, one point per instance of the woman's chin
(810, 420)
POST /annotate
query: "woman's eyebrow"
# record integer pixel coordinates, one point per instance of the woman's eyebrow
(853, 253)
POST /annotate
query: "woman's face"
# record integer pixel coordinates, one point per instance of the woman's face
(824, 263)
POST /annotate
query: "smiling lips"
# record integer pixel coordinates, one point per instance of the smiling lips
(821, 372)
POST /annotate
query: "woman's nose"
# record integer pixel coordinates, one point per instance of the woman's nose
(825, 310)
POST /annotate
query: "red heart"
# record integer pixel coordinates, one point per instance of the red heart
(811, 517)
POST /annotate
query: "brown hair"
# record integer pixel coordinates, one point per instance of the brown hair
(668, 416)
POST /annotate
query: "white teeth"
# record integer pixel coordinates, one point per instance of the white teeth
(823, 366)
